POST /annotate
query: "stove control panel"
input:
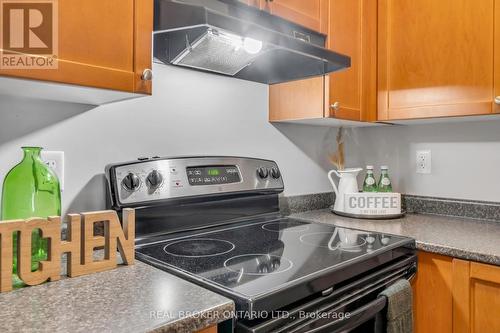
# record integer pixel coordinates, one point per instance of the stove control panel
(150, 180)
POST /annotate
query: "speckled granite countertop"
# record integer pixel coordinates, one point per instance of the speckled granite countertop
(452, 236)
(136, 298)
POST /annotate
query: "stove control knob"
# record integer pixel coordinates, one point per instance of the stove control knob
(275, 173)
(131, 182)
(262, 173)
(154, 179)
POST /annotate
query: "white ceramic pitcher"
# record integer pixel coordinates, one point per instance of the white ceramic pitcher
(347, 184)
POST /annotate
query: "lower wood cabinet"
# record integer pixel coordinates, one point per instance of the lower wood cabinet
(477, 298)
(211, 329)
(454, 295)
(432, 290)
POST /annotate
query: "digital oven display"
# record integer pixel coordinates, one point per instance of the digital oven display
(213, 175)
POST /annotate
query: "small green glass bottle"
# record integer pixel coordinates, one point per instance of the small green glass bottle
(370, 184)
(30, 189)
(384, 184)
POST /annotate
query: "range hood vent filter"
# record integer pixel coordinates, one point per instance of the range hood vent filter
(217, 51)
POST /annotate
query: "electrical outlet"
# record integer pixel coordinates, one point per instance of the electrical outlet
(424, 161)
(55, 160)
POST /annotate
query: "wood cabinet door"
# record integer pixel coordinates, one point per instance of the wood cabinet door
(435, 58)
(103, 44)
(477, 294)
(211, 329)
(432, 294)
(312, 14)
(353, 31)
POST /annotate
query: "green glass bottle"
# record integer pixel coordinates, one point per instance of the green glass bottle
(384, 184)
(370, 184)
(30, 189)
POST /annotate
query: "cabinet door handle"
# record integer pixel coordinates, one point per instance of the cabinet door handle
(147, 75)
(497, 100)
(335, 106)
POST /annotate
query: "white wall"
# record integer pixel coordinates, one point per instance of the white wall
(193, 113)
(190, 113)
(465, 158)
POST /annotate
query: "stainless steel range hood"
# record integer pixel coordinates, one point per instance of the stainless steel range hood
(230, 38)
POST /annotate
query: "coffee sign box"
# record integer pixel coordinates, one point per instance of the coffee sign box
(368, 203)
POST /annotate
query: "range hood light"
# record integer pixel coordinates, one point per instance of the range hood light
(234, 40)
(251, 45)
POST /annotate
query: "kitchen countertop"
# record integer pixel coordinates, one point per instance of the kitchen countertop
(141, 298)
(137, 298)
(463, 238)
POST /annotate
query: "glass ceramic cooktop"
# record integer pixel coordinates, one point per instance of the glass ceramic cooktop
(257, 258)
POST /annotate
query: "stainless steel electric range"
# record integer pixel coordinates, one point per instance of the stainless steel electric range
(215, 221)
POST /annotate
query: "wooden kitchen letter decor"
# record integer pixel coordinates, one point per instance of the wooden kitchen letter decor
(79, 246)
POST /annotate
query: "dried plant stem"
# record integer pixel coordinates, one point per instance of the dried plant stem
(338, 158)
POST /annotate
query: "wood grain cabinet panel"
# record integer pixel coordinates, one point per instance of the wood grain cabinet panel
(312, 14)
(297, 100)
(454, 295)
(435, 58)
(211, 329)
(478, 298)
(353, 31)
(103, 44)
(433, 294)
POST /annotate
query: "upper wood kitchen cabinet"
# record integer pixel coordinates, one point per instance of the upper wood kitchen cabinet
(348, 94)
(352, 31)
(102, 44)
(435, 58)
(312, 14)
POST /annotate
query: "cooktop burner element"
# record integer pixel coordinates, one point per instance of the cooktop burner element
(199, 247)
(289, 226)
(258, 264)
(340, 239)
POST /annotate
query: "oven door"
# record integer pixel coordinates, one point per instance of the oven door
(362, 317)
(353, 307)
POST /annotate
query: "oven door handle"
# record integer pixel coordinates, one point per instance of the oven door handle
(355, 318)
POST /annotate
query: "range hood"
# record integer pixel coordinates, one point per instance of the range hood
(230, 38)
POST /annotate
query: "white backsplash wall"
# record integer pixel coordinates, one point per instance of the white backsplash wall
(465, 158)
(193, 113)
(190, 113)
